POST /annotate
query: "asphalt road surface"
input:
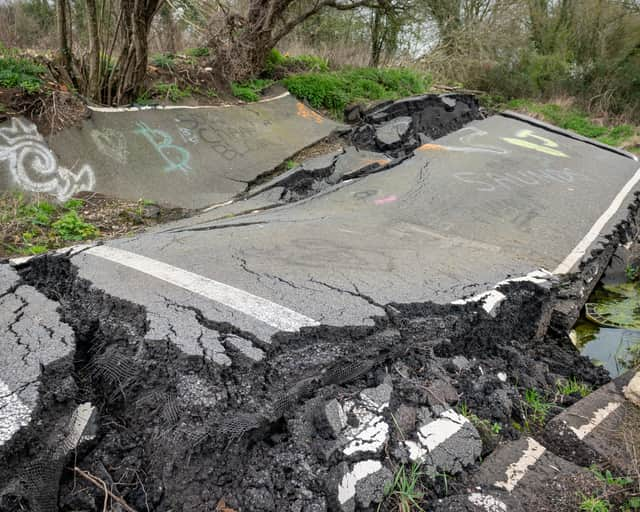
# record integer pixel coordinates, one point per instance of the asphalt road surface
(499, 199)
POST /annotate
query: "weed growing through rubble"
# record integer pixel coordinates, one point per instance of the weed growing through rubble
(632, 272)
(405, 490)
(568, 387)
(71, 228)
(536, 409)
(594, 504)
(632, 504)
(480, 424)
(608, 478)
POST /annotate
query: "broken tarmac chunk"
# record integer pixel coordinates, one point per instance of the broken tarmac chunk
(32, 338)
(445, 444)
(361, 484)
(391, 134)
(602, 427)
(526, 474)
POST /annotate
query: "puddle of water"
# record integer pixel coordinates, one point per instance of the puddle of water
(615, 304)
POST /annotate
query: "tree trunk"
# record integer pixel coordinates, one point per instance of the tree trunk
(63, 37)
(94, 81)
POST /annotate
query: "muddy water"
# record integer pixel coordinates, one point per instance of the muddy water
(615, 303)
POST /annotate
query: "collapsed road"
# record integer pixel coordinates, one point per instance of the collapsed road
(293, 358)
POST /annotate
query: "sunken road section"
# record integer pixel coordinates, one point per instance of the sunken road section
(319, 423)
(317, 419)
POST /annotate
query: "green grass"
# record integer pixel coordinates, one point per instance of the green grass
(573, 119)
(279, 64)
(333, 91)
(21, 73)
(568, 387)
(34, 226)
(163, 60)
(171, 92)
(594, 504)
(536, 409)
(197, 52)
(608, 478)
(250, 91)
(405, 492)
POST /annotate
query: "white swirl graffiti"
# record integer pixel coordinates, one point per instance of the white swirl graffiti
(33, 165)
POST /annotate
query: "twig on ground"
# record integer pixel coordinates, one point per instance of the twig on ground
(103, 485)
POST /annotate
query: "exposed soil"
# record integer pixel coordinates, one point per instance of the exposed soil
(112, 217)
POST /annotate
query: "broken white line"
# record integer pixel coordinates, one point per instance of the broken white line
(516, 471)
(580, 250)
(14, 414)
(598, 417)
(275, 315)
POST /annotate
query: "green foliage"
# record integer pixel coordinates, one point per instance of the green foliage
(568, 387)
(163, 60)
(250, 91)
(291, 164)
(22, 73)
(536, 410)
(570, 118)
(405, 490)
(197, 52)
(632, 503)
(632, 272)
(335, 90)
(172, 92)
(608, 478)
(277, 64)
(594, 504)
(71, 227)
(483, 425)
(38, 214)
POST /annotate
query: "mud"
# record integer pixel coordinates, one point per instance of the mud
(177, 432)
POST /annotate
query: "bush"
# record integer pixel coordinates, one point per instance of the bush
(250, 91)
(278, 65)
(197, 52)
(172, 92)
(22, 73)
(71, 227)
(334, 91)
(163, 60)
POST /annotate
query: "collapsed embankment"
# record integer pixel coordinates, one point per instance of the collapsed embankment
(322, 420)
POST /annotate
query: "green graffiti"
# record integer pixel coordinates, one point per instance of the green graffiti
(176, 157)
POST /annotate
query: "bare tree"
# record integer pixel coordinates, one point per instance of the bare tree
(240, 39)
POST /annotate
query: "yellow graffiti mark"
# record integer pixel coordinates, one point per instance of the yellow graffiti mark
(307, 113)
(431, 147)
(548, 146)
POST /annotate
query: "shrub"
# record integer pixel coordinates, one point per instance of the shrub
(278, 65)
(163, 60)
(172, 92)
(250, 91)
(335, 90)
(71, 227)
(22, 73)
(197, 52)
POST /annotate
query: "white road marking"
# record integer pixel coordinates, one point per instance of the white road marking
(598, 417)
(275, 315)
(347, 487)
(434, 433)
(487, 502)
(183, 107)
(580, 250)
(14, 414)
(518, 469)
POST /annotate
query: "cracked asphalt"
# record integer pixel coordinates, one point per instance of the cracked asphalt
(235, 339)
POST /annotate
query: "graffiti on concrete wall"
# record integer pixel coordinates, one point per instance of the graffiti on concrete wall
(34, 167)
(229, 141)
(111, 143)
(176, 157)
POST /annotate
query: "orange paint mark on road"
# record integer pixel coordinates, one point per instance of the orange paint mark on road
(431, 147)
(381, 161)
(307, 113)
